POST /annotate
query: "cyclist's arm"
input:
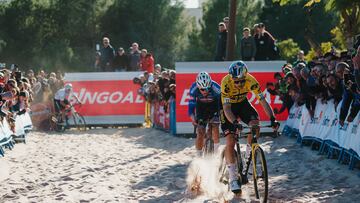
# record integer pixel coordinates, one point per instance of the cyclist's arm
(192, 102)
(269, 111)
(255, 88)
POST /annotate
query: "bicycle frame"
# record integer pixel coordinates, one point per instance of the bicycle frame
(254, 146)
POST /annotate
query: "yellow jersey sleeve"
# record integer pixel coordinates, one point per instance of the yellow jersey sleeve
(225, 90)
(255, 87)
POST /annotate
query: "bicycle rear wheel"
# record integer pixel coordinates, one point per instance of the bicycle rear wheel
(79, 121)
(260, 175)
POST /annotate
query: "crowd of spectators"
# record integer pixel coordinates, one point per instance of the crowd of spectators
(333, 76)
(109, 60)
(259, 45)
(158, 86)
(18, 89)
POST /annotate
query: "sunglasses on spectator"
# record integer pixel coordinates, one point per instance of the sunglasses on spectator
(239, 81)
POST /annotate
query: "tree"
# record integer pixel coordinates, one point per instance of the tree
(288, 50)
(213, 12)
(156, 25)
(306, 26)
(349, 12)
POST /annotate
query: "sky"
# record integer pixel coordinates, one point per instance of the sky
(191, 3)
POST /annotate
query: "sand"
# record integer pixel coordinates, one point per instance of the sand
(147, 165)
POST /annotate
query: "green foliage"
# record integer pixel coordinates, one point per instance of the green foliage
(305, 26)
(61, 34)
(202, 42)
(288, 50)
(338, 38)
(325, 47)
(156, 25)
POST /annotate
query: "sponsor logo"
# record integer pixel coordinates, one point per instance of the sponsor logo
(117, 97)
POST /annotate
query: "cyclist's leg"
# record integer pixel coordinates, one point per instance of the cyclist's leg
(214, 123)
(201, 128)
(249, 116)
(199, 142)
(229, 131)
(66, 102)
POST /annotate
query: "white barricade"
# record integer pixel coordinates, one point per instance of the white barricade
(19, 126)
(325, 125)
(26, 120)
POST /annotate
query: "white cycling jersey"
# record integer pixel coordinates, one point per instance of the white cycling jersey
(62, 95)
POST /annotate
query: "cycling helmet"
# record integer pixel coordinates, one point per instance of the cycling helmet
(68, 86)
(203, 80)
(238, 69)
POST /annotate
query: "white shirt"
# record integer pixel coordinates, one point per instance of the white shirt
(62, 95)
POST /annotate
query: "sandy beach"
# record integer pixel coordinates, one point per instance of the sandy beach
(147, 165)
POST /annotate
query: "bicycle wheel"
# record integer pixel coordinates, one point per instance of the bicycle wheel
(209, 147)
(224, 174)
(56, 123)
(79, 121)
(260, 175)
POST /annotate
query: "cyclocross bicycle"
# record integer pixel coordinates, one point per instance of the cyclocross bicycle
(59, 125)
(257, 159)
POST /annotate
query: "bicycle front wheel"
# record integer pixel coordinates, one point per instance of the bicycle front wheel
(209, 147)
(79, 121)
(260, 175)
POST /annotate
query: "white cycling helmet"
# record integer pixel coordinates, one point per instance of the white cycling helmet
(203, 80)
(68, 86)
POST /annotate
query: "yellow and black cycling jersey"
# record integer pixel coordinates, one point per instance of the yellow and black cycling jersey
(231, 94)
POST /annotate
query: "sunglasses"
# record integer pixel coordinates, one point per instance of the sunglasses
(204, 89)
(239, 81)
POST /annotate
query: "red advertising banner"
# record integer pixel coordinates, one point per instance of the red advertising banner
(108, 98)
(186, 73)
(184, 81)
(101, 98)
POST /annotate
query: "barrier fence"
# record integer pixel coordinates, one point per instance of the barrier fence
(10, 132)
(324, 127)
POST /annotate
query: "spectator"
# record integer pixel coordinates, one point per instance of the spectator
(107, 54)
(134, 57)
(121, 61)
(146, 61)
(300, 58)
(157, 69)
(265, 44)
(248, 46)
(356, 62)
(351, 99)
(226, 20)
(97, 61)
(221, 43)
(335, 89)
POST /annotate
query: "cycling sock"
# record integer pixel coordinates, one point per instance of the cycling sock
(232, 172)
(248, 150)
(216, 147)
(198, 153)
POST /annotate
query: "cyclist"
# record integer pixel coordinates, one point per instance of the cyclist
(234, 89)
(61, 100)
(203, 109)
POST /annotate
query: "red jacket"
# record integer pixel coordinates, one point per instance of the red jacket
(147, 63)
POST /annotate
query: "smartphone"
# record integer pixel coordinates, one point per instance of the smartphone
(97, 47)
